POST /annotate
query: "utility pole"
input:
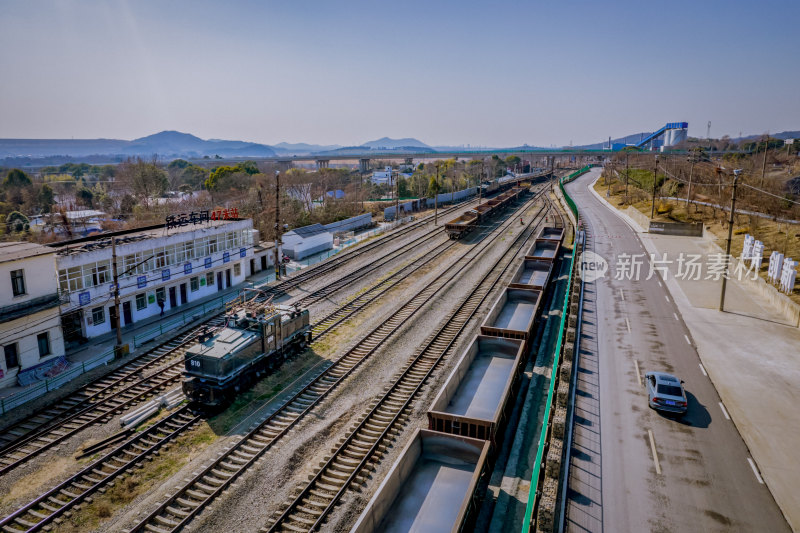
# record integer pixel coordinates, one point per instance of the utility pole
(689, 192)
(480, 185)
(626, 176)
(764, 165)
(436, 198)
(277, 224)
(116, 294)
(655, 175)
(397, 198)
(730, 235)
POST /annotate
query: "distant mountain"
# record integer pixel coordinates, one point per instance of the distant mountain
(302, 148)
(393, 144)
(782, 135)
(164, 144)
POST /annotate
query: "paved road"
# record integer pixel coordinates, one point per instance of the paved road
(706, 482)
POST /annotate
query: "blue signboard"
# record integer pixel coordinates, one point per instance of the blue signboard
(208, 262)
(84, 298)
(226, 257)
(242, 252)
(187, 268)
(165, 275)
(141, 282)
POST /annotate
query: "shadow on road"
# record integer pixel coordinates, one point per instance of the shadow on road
(697, 416)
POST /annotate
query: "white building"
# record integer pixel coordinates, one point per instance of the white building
(30, 326)
(155, 265)
(382, 176)
(308, 240)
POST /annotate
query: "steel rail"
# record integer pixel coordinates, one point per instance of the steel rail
(312, 505)
(47, 507)
(191, 498)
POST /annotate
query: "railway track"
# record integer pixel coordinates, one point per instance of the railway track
(53, 504)
(343, 258)
(126, 386)
(367, 442)
(183, 505)
(81, 400)
(40, 441)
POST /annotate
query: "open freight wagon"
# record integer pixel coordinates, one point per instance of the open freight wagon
(476, 398)
(513, 315)
(430, 488)
(532, 274)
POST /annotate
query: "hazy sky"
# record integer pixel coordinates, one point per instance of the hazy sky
(480, 73)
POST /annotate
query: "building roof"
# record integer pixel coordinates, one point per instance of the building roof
(13, 251)
(29, 307)
(103, 240)
(309, 231)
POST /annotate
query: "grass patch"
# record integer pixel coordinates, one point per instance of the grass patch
(263, 391)
(782, 237)
(128, 488)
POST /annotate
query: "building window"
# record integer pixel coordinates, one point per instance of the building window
(161, 259)
(43, 339)
(161, 295)
(71, 279)
(141, 301)
(12, 359)
(194, 283)
(210, 278)
(100, 274)
(98, 315)
(237, 269)
(18, 282)
(212, 246)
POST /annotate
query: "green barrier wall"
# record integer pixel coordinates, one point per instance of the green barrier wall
(537, 467)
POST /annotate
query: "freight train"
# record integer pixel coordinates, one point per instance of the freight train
(462, 225)
(446, 461)
(255, 340)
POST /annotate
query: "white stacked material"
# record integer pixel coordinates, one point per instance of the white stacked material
(757, 255)
(788, 275)
(775, 267)
(747, 249)
(168, 400)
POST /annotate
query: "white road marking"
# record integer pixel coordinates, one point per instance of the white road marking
(724, 411)
(675, 315)
(659, 284)
(703, 370)
(638, 374)
(687, 340)
(755, 470)
(655, 454)
(622, 295)
(667, 297)
(628, 324)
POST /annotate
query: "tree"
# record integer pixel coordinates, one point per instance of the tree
(143, 178)
(226, 177)
(16, 222)
(45, 198)
(85, 197)
(16, 179)
(433, 187)
(402, 188)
